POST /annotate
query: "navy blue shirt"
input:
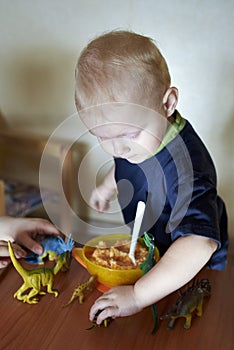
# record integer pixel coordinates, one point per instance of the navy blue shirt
(178, 185)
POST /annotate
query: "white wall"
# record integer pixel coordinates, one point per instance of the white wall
(40, 42)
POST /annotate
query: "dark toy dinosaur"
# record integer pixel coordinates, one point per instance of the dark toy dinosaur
(189, 301)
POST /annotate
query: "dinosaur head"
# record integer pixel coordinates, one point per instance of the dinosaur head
(65, 246)
(148, 239)
(205, 286)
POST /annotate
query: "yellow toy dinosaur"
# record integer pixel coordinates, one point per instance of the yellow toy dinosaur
(36, 279)
(79, 291)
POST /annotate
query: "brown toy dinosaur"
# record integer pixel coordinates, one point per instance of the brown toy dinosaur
(189, 301)
(36, 279)
(80, 290)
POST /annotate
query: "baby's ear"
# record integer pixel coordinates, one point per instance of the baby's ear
(170, 100)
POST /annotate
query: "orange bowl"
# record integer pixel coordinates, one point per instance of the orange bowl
(107, 276)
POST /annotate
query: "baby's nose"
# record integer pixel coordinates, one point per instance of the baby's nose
(120, 147)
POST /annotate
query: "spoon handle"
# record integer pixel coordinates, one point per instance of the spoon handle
(136, 230)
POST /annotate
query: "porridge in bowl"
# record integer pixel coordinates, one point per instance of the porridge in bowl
(116, 256)
(122, 271)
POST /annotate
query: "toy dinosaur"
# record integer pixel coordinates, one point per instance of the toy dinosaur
(80, 290)
(149, 262)
(105, 323)
(189, 301)
(36, 279)
(52, 247)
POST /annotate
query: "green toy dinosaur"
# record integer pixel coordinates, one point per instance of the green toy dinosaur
(147, 265)
(36, 279)
(80, 290)
(105, 323)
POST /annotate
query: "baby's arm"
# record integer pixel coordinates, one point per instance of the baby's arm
(182, 261)
(102, 194)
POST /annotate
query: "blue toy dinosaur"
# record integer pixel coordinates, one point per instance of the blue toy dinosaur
(52, 247)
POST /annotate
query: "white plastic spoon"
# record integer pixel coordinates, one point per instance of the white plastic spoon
(136, 230)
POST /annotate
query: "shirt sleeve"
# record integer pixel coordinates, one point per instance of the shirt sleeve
(194, 209)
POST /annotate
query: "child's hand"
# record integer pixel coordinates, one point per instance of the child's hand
(117, 302)
(24, 231)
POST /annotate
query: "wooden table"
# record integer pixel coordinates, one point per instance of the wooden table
(49, 325)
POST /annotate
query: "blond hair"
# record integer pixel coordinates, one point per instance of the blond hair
(121, 66)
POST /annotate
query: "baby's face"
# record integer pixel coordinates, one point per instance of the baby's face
(128, 131)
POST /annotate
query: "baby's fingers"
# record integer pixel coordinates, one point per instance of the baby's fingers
(102, 309)
(101, 315)
(100, 206)
(94, 311)
(109, 312)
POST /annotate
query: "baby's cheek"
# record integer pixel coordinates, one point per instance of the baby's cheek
(107, 147)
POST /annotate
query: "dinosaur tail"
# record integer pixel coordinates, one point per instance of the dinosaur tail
(15, 262)
(155, 316)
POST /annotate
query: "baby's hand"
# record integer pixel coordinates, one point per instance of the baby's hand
(99, 200)
(101, 195)
(117, 302)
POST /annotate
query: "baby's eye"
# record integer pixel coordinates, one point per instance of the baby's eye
(133, 135)
(102, 139)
